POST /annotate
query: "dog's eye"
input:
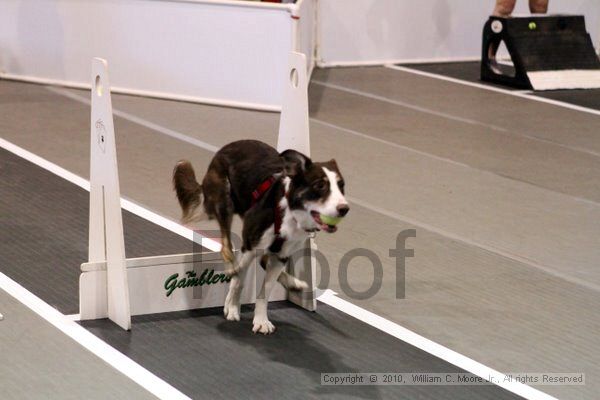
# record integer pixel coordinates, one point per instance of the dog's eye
(320, 185)
(341, 185)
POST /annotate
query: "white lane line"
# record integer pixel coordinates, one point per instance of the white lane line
(408, 105)
(389, 143)
(46, 311)
(146, 93)
(329, 297)
(450, 161)
(450, 79)
(517, 93)
(140, 121)
(45, 164)
(491, 249)
(85, 338)
(126, 204)
(214, 149)
(455, 118)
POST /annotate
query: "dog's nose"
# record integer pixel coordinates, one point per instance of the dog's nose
(343, 209)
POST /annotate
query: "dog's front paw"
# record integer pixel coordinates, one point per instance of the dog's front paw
(231, 308)
(263, 325)
(299, 285)
(231, 312)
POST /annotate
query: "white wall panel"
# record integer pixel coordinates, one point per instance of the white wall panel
(195, 50)
(379, 31)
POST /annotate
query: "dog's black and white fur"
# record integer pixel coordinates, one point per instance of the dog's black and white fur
(276, 221)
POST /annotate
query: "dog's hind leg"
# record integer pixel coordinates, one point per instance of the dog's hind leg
(224, 214)
(261, 321)
(231, 309)
(227, 252)
(218, 204)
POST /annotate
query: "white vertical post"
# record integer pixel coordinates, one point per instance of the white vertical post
(294, 133)
(106, 241)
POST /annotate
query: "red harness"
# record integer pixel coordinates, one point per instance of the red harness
(256, 195)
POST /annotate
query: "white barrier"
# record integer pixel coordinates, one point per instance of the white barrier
(112, 286)
(220, 52)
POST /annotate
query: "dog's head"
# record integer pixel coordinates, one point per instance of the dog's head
(315, 192)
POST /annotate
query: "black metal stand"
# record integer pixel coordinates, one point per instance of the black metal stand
(536, 43)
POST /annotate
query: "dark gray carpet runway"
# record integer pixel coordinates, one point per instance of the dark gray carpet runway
(43, 239)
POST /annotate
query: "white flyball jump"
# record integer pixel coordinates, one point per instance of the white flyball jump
(115, 287)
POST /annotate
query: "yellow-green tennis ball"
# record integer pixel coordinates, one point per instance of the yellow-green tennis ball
(330, 220)
(532, 26)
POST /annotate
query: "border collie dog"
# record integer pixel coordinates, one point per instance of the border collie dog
(280, 198)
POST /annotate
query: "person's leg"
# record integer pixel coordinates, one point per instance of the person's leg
(538, 6)
(505, 7)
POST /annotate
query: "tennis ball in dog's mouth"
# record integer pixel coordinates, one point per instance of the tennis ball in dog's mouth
(330, 220)
(532, 26)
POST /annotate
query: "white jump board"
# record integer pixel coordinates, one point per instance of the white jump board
(155, 284)
(565, 79)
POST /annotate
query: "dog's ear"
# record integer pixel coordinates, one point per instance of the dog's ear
(295, 162)
(333, 165)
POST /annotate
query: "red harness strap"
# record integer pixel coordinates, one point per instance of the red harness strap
(262, 188)
(256, 195)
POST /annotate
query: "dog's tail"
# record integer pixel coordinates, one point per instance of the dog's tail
(189, 191)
